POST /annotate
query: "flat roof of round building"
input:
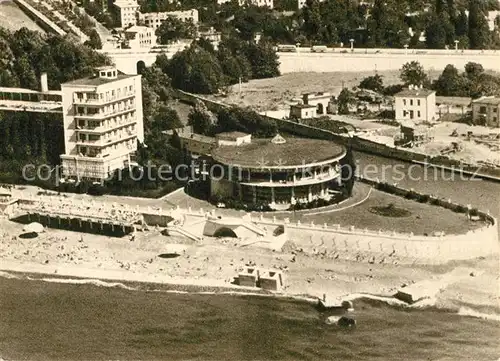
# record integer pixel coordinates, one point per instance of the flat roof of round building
(262, 153)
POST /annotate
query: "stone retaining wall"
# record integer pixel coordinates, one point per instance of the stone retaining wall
(334, 238)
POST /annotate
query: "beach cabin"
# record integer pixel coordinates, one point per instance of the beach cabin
(271, 280)
(412, 294)
(249, 277)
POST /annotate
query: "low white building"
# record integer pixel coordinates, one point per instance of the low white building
(268, 3)
(303, 111)
(140, 37)
(154, 20)
(415, 103)
(103, 121)
(127, 11)
(233, 138)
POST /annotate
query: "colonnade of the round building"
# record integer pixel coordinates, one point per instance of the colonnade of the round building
(278, 172)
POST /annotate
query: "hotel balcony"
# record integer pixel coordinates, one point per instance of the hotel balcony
(101, 116)
(304, 181)
(101, 142)
(104, 129)
(97, 101)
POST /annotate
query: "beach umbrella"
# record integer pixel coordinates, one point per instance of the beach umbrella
(33, 227)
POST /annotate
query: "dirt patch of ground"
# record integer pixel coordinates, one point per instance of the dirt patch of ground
(276, 93)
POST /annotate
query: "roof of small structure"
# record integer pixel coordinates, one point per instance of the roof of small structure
(137, 29)
(487, 100)
(230, 135)
(459, 101)
(96, 80)
(264, 154)
(414, 93)
(303, 106)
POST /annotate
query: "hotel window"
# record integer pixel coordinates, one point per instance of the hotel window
(418, 102)
(495, 110)
(418, 113)
(404, 101)
(411, 101)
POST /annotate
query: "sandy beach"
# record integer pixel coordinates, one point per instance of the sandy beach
(215, 263)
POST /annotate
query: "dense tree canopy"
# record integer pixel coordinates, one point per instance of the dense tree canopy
(201, 69)
(27, 54)
(196, 70)
(374, 83)
(94, 40)
(479, 35)
(413, 73)
(173, 29)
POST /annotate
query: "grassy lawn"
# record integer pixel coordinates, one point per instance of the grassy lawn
(423, 218)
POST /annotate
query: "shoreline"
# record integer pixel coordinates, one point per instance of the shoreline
(172, 284)
(64, 274)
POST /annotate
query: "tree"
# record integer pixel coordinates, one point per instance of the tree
(166, 118)
(312, 19)
(451, 83)
(94, 40)
(263, 60)
(173, 29)
(201, 119)
(234, 66)
(196, 70)
(26, 73)
(204, 43)
(345, 99)
(479, 31)
(377, 22)
(413, 74)
(462, 24)
(435, 33)
(348, 171)
(175, 141)
(386, 26)
(485, 85)
(374, 83)
(473, 70)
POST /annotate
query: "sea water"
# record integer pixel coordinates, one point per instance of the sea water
(55, 319)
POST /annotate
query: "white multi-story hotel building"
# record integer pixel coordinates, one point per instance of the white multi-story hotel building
(103, 121)
(127, 11)
(154, 20)
(415, 103)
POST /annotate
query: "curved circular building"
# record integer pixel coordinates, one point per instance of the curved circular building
(278, 172)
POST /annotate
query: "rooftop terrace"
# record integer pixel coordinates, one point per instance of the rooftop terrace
(262, 153)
